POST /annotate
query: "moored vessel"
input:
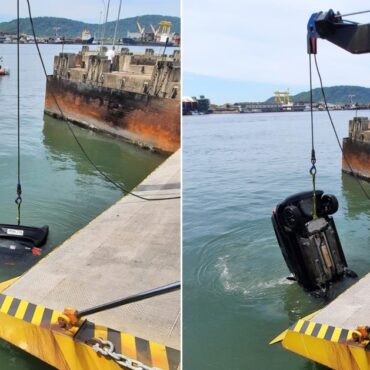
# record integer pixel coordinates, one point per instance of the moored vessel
(135, 97)
(86, 37)
(159, 36)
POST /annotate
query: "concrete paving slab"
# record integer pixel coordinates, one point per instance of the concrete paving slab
(350, 309)
(131, 247)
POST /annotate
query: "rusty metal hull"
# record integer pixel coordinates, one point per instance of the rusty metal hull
(140, 118)
(357, 154)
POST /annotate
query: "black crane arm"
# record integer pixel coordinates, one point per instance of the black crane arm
(351, 36)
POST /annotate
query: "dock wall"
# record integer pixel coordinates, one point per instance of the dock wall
(133, 246)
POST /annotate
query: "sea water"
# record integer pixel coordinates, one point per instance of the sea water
(236, 169)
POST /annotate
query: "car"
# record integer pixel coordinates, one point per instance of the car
(310, 243)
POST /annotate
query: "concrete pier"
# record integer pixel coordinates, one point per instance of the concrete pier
(132, 247)
(350, 310)
(326, 336)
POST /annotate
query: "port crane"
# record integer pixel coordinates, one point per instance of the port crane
(56, 29)
(155, 31)
(141, 30)
(282, 97)
(163, 32)
(348, 35)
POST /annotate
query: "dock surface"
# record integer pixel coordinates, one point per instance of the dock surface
(350, 309)
(131, 247)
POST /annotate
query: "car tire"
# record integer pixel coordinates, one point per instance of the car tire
(329, 204)
(292, 217)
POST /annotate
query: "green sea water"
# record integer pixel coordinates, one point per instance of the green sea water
(236, 169)
(60, 188)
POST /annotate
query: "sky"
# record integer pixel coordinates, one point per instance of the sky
(242, 50)
(89, 10)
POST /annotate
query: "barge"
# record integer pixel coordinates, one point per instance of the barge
(131, 247)
(136, 97)
(356, 148)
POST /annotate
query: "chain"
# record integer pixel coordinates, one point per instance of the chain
(313, 174)
(106, 348)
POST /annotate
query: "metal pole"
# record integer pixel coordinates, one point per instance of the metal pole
(105, 24)
(115, 30)
(99, 27)
(131, 299)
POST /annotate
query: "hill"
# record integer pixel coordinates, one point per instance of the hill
(44, 26)
(334, 95)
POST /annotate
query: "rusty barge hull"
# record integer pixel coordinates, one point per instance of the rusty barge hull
(356, 148)
(143, 119)
(357, 154)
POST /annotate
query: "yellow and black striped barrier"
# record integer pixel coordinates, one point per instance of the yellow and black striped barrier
(322, 331)
(325, 344)
(35, 329)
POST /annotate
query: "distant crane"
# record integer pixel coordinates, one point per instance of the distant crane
(350, 96)
(141, 29)
(163, 32)
(282, 97)
(56, 29)
(155, 31)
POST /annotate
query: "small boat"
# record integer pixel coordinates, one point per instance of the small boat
(86, 37)
(3, 71)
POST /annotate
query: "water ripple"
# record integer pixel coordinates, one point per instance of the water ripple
(238, 262)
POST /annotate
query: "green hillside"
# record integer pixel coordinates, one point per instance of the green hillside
(44, 26)
(335, 95)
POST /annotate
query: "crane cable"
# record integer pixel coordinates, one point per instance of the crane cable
(313, 169)
(18, 200)
(335, 131)
(348, 14)
(104, 175)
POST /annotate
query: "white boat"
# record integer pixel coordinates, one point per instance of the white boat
(86, 37)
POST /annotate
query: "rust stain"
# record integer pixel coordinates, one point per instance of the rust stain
(358, 155)
(155, 121)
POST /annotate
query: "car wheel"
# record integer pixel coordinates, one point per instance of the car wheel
(292, 217)
(329, 203)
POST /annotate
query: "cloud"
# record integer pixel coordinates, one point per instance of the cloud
(265, 42)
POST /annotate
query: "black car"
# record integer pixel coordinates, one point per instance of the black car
(310, 245)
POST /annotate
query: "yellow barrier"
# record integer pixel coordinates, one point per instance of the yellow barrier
(35, 329)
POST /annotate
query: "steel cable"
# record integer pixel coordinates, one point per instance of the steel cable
(18, 200)
(335, 132)
(313, 154)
